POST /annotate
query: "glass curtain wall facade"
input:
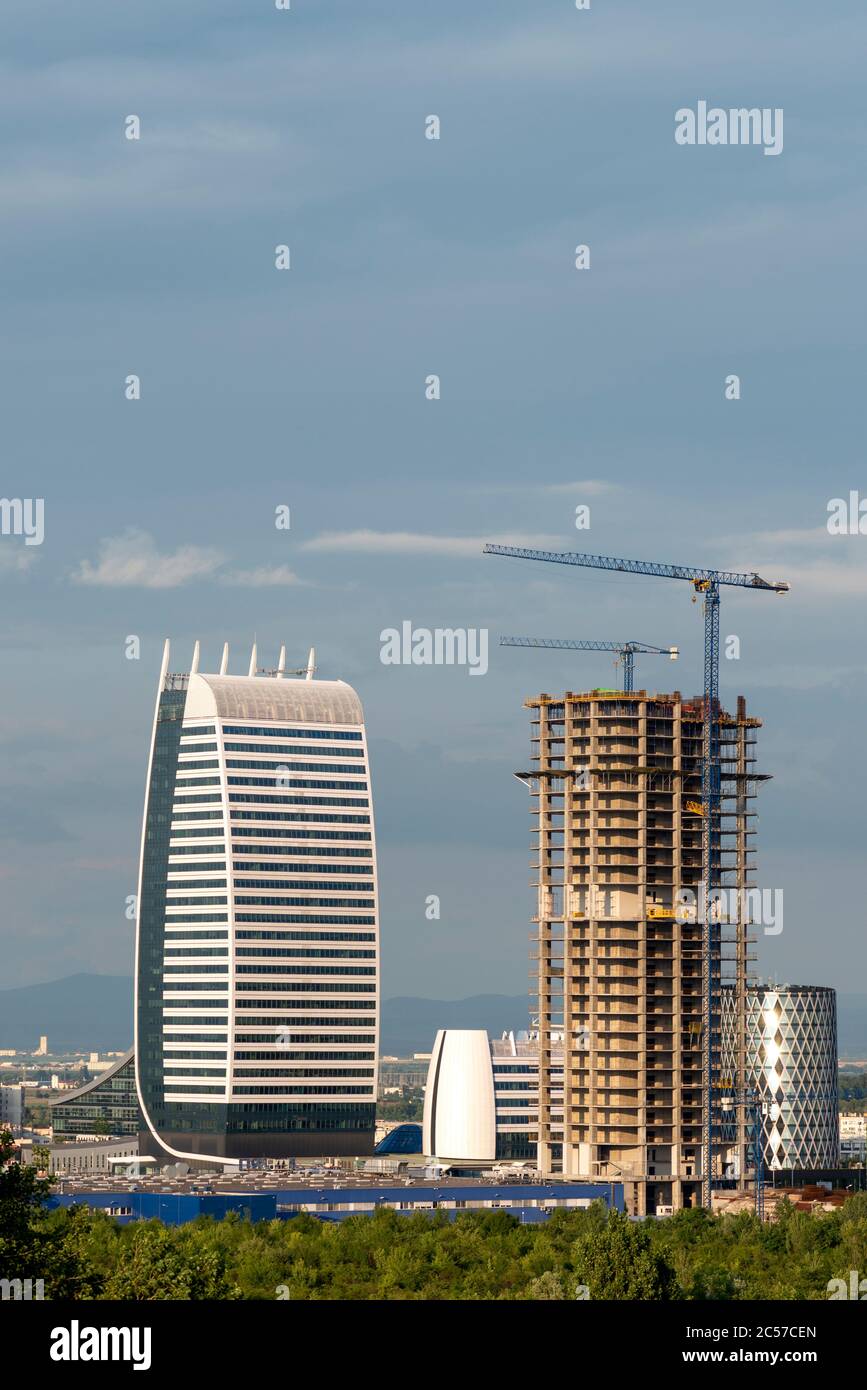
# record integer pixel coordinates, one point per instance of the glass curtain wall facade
(257, 966)
(108, 1105)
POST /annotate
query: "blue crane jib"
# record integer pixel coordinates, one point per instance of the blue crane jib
(625, 650)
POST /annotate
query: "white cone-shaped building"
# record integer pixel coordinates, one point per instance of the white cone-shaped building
(460, 1119)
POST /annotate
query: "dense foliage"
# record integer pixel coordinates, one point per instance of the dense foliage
(85, 1254)
(408, 1106)
(853, 1088)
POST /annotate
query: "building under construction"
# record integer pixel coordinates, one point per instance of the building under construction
(616, 783)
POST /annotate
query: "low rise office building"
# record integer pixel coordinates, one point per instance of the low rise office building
(107, 1105)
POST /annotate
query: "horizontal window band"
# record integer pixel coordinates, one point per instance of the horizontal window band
(239, 765)
(242, 797)
(267, 917)
(316, 1022)
(196, 970)
(340, 1039)
(248, 900)
(314, 784)
(199, 835)
(300, 1090)
(290, 817)
(298, 852)
(269, 1057)
(360, 1005)
(189, 934)
(302, 987)
(186, 987)
(204, 901)
(308, 953)
(249, 1070)
(173, 1037)
(182, 884)
(310, 884)
(358, 970)
(194, 918)
(273, 731)
(309, 935)
(287, 834)
(209, 951)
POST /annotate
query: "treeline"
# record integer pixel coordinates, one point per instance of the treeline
(852, 1086)
(84, 1254)
(408, 1106)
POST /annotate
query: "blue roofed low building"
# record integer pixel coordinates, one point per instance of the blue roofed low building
(527, 1203)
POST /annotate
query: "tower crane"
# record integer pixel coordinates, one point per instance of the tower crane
(625, 650)
(708, 583)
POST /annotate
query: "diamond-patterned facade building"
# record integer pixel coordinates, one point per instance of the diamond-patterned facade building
(791, 1061)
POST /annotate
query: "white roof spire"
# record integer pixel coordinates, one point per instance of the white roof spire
(224, 660)
(281, 663)
(311, 664)
(195, 662)
(252, 670)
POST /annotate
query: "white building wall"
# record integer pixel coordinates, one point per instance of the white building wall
(460, 1119)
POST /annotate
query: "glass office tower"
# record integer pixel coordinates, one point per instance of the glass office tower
(257, 970)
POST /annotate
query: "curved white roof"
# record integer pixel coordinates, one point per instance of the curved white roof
(95, 1081)
(252, 698)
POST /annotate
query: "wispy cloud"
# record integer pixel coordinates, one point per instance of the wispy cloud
(588, 487)
(132, 560)
(416, 543)
(815, 563)
(15, 557)
(264, 577)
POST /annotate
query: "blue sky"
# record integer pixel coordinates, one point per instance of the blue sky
(306, 388)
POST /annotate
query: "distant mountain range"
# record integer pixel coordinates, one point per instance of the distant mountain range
(410, 1025)
(852, 1025)
(85, 1013)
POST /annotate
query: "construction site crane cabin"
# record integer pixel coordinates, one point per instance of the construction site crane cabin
(618, 822)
